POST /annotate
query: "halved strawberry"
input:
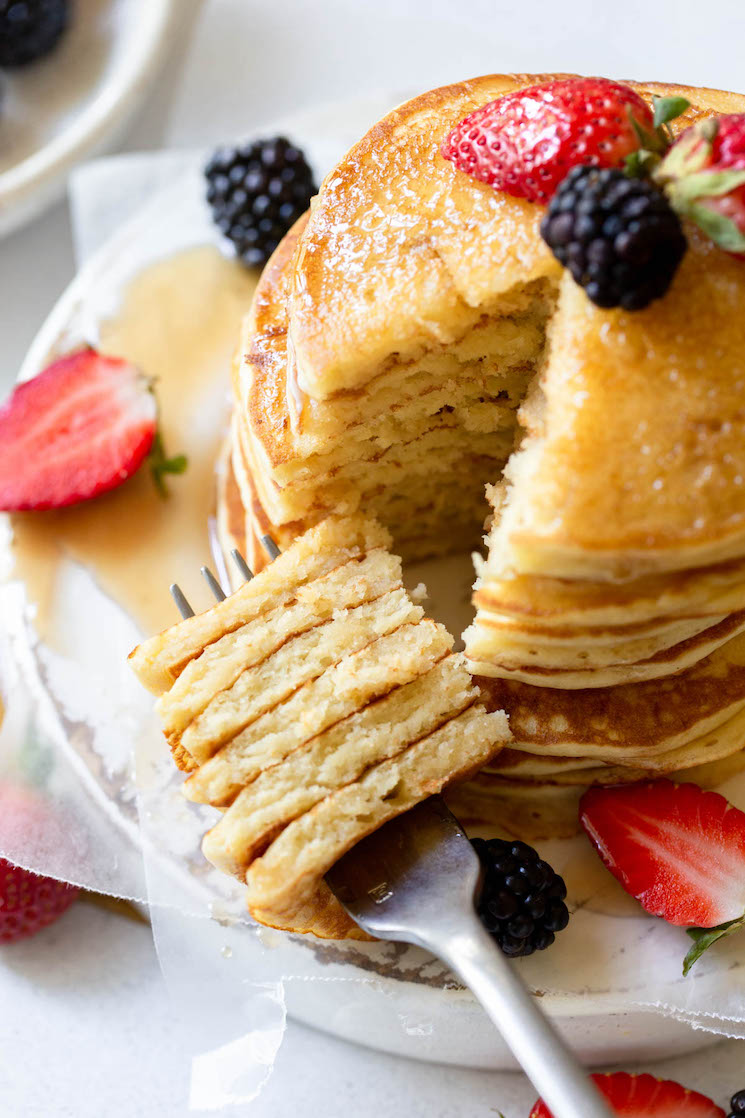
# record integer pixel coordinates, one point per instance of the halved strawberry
(525, 142)
(643, 1096)
(81, 427)
(676, 848)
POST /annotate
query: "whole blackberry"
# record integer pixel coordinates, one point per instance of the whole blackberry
(256, 193)
(29, 29)
(737, 1105)
(619, 237)
(522, 899)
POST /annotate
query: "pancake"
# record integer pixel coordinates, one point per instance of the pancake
(536, 811)
(418, 453)
(627, 724)
(289, 872)
(563, 603)
(714, 745)
(159, 661)
(339, 755)
(315, 689)
(585, 649)
(667, 662)
(548, 808)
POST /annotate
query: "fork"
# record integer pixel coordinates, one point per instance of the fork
(415, 880)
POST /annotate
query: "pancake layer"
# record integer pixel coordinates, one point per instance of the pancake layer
(309, 707)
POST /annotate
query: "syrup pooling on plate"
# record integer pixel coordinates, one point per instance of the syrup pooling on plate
(178, 322)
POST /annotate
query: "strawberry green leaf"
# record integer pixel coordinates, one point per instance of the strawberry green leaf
(687, 156)
(654, 140)
(704, 937)
(160, 465)
(722, 230)
(641, 163)
(707, 184)
(668, 108)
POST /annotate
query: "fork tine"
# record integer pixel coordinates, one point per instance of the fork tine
(243, 567)
(180, 599)
(218, 555)
(270, 547)
(213, 584)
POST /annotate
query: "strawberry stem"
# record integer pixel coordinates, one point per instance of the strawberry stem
(161, 465)
(653, 145)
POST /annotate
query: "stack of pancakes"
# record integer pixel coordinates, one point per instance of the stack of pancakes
(413, 447)
(414, 345)
(311, 706)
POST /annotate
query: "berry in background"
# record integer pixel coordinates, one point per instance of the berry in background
(522, 898)
(619, 237)
(30, 29)
(29, 902)
(256, 193)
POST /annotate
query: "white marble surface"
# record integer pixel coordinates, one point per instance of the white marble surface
(86, 1026)
(87, 1029)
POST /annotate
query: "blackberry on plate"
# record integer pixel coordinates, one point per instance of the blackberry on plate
(522, 899)
(737, 1104)
(29, 29)
(619, 237)
(257, 192)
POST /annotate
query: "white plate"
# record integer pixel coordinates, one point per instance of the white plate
(76, 102)
(606, 974)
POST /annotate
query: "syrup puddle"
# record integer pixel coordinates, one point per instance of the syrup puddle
(178, 322)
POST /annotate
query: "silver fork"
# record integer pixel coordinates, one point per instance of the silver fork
(415, 880)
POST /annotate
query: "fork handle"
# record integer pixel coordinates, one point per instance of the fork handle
(545, 1058)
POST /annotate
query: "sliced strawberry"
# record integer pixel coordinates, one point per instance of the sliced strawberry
(676, 848)
(525, 142)
(81, 427)
(643, 1096)
(704, 175)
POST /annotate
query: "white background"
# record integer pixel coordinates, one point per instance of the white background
(86, 1028)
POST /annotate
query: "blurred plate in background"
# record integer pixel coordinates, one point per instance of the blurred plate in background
(77, 101)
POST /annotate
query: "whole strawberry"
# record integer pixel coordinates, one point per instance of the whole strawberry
(678, 849)
(644, 1096)
(704, 177)
(28, 902)
(525, 142)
